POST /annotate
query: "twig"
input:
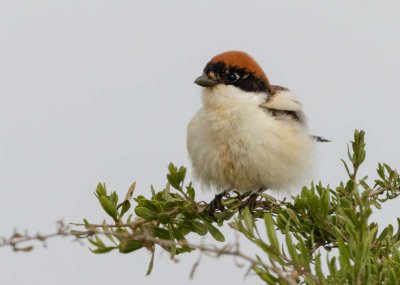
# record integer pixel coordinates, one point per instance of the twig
(209, 250)
(136, 223)
(194, 267)
(17, 238)
(380, 191)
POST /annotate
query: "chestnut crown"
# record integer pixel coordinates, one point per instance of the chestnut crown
(235, 68)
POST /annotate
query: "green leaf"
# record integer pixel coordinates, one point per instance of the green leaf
(171, 235)
(383, 234)
(181, 174)
(350, 185)
(148, 204)
(381, 171)
(178, 235)
(215, 233)
(99, 242)
(153, 192)
(114, 199)
(269, 225)
(169, 205)
(173, 177)
(126, 205)
(346, 167)
(344, 256)
(318, 267)
(264, 275)
(150, 268)
(248, 221)
(189, 211)
(199, 228)
(130, 245)
(172, 169)
(108, 207)
(174, 183)
(190, 191)
(358, 148)
(229, 201)
(162, 233)
(304, 252)
(164, 218)
(324, 203)
(103, 249)
(101, 190)
(292, 250)
(224, 215)
(79, 234)
(146, 213)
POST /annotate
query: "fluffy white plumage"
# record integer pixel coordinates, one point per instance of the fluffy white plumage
(233, 142)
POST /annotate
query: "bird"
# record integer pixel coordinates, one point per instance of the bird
(248, 135)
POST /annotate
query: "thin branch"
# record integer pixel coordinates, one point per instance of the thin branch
(133, 225)
(209, 250)
(380, 191)
(17, 239)
(63, 230)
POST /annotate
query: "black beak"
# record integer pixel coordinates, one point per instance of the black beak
(204, 81)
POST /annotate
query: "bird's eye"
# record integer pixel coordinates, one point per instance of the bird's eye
(232, 77)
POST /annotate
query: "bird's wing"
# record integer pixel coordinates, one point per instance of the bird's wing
(283, 103)
(320, 139)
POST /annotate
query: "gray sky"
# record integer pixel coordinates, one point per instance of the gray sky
(102, 91)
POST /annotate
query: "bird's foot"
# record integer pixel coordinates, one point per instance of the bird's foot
(250, 202)
(216, 203)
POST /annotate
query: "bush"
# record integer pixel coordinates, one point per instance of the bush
(322, 236)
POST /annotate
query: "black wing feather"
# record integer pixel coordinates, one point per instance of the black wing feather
(320, 139)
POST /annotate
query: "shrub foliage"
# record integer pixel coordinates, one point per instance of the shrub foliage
(323, 235)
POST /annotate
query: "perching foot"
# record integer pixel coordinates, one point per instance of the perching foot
(216, 203)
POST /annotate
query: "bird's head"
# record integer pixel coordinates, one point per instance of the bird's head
(235, 68)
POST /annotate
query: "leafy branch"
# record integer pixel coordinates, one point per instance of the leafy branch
(323, 235)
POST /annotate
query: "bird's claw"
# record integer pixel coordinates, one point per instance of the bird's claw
(216, 204)
(250, 202)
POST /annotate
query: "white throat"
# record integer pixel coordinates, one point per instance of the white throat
(221, 96)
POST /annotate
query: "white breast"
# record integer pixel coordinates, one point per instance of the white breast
(232, 142)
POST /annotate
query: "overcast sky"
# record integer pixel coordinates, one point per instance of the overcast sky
(102, 90)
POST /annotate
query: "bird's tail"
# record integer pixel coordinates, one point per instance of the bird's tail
(319, 139)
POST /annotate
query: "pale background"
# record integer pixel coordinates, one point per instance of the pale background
(102, 91)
